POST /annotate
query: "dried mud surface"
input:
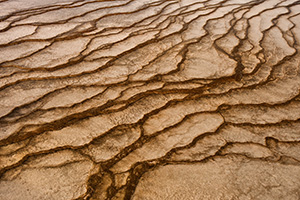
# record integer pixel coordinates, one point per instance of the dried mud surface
(149, 99)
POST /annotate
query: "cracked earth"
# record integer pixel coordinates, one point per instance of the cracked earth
(149, 99)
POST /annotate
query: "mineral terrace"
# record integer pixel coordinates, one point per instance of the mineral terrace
(150, 99)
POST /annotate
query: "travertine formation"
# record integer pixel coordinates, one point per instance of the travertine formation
(149, 99)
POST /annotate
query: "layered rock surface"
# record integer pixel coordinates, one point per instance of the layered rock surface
(140, 99)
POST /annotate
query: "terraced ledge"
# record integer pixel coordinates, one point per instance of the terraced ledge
(149, 99)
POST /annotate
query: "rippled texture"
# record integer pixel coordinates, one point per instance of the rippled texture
(140, 99)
